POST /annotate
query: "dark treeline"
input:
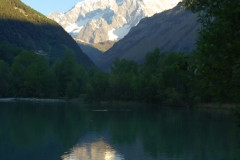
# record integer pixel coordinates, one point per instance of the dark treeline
(164, 78)
(26, 74)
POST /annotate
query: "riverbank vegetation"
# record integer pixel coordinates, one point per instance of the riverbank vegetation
(164, 78)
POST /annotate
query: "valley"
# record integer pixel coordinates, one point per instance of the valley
(168, 26)
(102, 23)
(120, 79)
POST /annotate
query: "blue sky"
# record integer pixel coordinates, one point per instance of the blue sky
(47, 6)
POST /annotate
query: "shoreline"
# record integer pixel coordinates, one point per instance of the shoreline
(31, 99)
(226, 106)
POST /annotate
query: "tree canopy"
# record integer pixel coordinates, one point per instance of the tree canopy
(217, 58)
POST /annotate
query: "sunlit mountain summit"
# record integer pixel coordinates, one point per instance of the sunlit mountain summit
(97, 21)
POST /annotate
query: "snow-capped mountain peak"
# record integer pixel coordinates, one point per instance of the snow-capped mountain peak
(94, 21)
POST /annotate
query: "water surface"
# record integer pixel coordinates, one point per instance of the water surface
(75, 131)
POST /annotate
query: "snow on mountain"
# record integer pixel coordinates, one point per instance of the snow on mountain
(94, 21)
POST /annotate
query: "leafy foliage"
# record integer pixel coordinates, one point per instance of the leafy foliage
(159, 80)
(5, 76)
(71, 76)
(32, 76)
(164, 78)
(8, 52)
(217, 53)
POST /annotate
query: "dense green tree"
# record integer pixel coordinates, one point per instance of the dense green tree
(32, 76)
(151, 64)
(123, 71)
(19, 67)
(64, 70)
(173, 82)
(71, 76)
(57, 68)
(8, 52)
(217, 53)
(49, 84)
(97, 88)
(5, 77)
(72, 89)
(150, 78)
(163, 81)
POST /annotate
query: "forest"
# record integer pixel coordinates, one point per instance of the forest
(27, 74)
(164, 78)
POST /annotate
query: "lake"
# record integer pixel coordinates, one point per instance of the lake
(76, 131)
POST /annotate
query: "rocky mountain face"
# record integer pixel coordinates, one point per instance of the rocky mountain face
(171, 30)
(21, 26)
(97, 21)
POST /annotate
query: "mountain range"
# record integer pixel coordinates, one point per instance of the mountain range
(171, 30)
(129, 28)
(21, 26)
(98, 21)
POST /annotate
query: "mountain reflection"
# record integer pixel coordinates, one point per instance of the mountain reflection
(98, 150)
(45, 131)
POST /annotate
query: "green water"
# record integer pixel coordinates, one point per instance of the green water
(49, 131)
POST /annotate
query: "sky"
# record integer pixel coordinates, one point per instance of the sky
(47, 6)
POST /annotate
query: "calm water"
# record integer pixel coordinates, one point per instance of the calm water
(52, 131)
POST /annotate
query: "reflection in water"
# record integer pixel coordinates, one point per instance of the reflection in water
(44, 131)
(98, 150)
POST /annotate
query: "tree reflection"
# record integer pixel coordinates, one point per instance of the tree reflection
(37, 128)
(26, 126)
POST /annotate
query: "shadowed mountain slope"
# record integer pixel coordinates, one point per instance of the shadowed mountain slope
(21, 26)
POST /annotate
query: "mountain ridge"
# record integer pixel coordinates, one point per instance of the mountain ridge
(21, 26)
(97, 21)
(171, 30)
